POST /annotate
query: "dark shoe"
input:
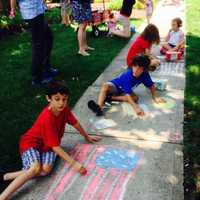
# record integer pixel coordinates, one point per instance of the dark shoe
(50, 72)
(95, 108)
(53, 71)
(36, 83)
(108, 99)
(47, 80)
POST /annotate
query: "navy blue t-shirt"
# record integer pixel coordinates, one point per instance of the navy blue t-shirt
(126, 81)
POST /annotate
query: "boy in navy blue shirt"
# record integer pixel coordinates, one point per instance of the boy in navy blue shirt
(121, 88)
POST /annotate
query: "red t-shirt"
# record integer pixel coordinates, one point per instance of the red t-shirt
(47, 130)
(138, 47)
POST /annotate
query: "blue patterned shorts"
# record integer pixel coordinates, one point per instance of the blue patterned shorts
(33, 155)
(82, 12)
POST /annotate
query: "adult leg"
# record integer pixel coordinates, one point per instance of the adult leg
(26, 175)
(48, 44)
(126, 27)
(37, 31)
(81, 39)
(124, 21)
(86, 47)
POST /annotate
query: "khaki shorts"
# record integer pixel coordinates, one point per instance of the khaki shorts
(124, 22)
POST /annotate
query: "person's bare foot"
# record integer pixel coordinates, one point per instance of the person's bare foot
(89, 48)
(83, 53)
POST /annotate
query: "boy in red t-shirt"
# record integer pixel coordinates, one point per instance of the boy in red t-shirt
(41, 143)
(143, 44)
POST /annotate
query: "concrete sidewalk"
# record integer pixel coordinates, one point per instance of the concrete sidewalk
(138, 159)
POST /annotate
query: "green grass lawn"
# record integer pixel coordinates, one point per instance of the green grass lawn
(20, 103)
(192, 98)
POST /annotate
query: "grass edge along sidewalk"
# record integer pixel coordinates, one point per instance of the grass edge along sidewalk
(192, 103)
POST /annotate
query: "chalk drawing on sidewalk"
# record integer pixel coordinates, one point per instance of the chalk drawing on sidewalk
(102, 123)
(170, 103)
(105, 180)
(128, 110)
(172, 69)
(117, 159)
(172, 137)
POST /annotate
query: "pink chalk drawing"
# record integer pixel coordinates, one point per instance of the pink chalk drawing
(109, 171)
(172, 137)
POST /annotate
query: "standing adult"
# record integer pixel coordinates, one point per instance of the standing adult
(32, 12)
(124, 18)
(82, 13)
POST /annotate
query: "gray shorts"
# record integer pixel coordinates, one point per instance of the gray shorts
(114, 91)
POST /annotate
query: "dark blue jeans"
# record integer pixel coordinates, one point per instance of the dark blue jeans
(42, 42)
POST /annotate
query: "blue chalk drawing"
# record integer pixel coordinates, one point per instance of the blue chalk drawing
(118, 159)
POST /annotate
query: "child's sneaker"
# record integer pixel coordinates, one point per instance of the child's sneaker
(108, 99)
(95, 108)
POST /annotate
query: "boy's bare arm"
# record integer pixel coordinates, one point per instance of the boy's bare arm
(66, 157)
(137, 109)
(88, 137)
(155, 98)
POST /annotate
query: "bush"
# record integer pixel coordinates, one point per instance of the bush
(10, 26)
(53, 15)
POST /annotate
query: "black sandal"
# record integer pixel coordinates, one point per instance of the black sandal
(95, 108)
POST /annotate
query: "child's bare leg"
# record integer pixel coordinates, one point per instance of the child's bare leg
(124, 98)
(12, 175)
(103, 92)
(166, 46)
(33, 171)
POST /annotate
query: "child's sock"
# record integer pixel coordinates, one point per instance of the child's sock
(108, 99)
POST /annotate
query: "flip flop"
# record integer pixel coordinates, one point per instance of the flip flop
(84, 53)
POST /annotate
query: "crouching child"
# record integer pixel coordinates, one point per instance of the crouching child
(121, 88)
